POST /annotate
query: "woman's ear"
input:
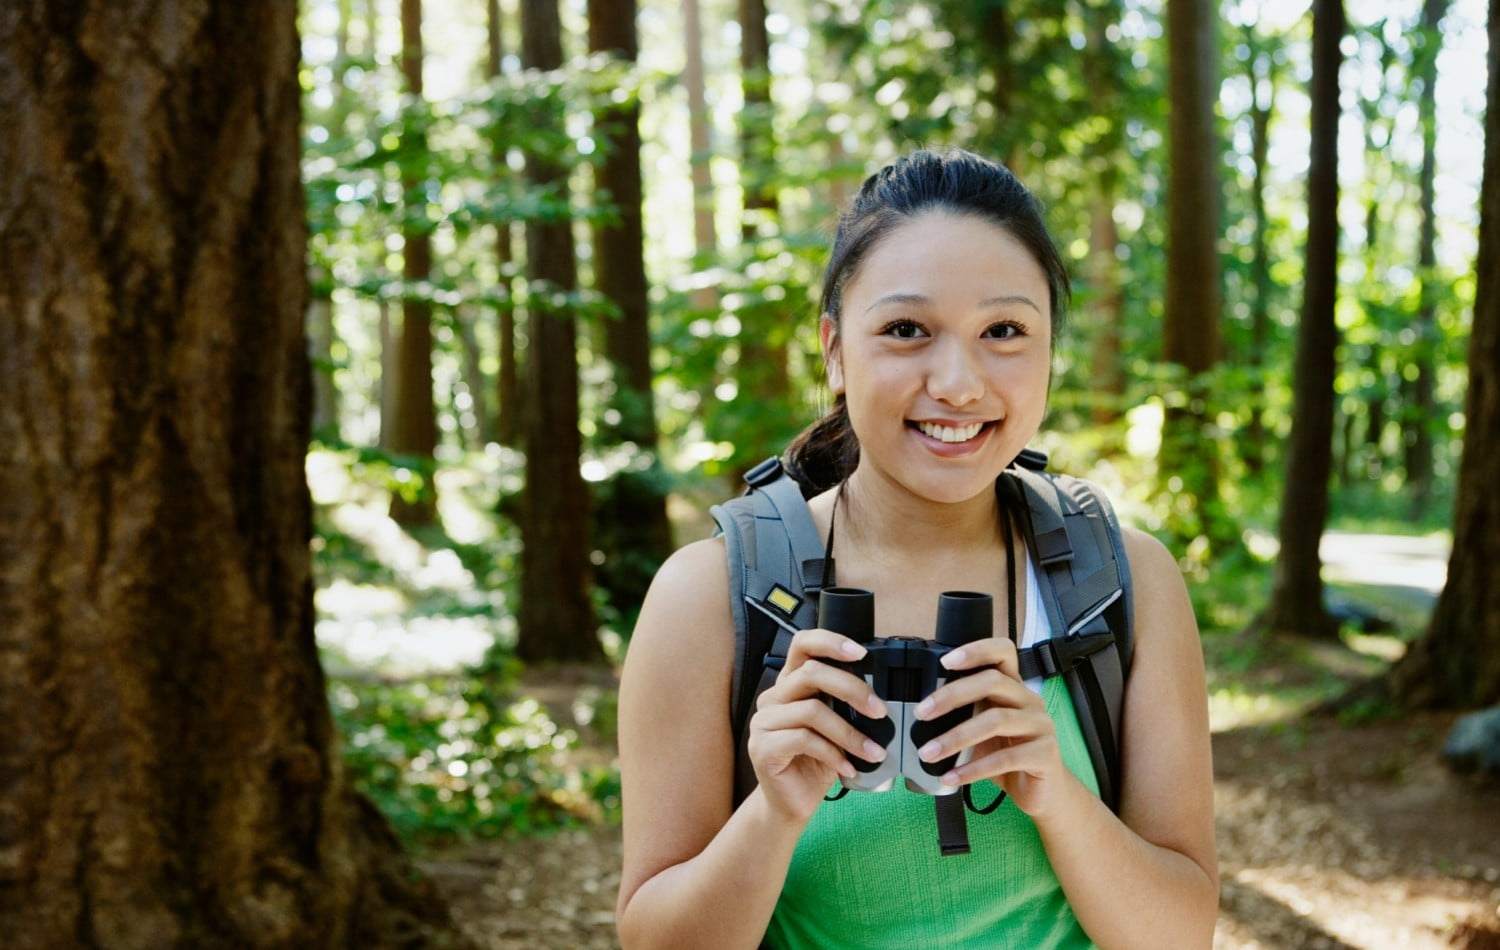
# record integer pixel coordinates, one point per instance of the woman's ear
(833, 363)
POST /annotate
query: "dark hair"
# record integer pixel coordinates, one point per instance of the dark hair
(959, 182)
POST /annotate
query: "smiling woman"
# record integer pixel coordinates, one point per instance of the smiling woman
(942, 297)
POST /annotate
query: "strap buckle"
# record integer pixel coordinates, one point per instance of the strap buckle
(764, 473)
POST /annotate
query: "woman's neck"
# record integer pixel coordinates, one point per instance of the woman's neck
(879, 515)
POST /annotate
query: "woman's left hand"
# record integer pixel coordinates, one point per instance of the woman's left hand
(1012, 739)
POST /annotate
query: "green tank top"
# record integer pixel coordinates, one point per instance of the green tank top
(867, 872)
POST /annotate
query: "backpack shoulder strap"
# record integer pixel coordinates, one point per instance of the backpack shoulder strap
(776, 569)
(1075, 542)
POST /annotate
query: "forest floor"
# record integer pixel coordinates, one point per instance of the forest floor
(1331, 834)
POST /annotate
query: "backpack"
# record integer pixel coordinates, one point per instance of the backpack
(777, 568)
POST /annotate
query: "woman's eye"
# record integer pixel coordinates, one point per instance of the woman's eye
(903, 330)
(1005, 331)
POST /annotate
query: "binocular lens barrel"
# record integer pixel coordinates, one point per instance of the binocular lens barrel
(964, 616)
(848, 610)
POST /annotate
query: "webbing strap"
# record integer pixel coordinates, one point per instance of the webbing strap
(952, 824)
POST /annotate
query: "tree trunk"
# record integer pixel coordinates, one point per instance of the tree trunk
(1190, 332)
(556, 616)
(508, 383)
(169, 773)
(1421, 411)
(632, 529)
(1261, 68)
(1456, 662)
(415, 435)
(705, 239)
(1296, 604)
(763, 374)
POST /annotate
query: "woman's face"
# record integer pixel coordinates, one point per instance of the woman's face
(942, 353)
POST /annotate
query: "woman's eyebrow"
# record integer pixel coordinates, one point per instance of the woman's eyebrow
(1004, 300)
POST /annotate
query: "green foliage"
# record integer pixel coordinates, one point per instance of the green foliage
(466, 756)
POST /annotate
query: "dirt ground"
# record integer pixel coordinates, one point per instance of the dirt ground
(1329, 837)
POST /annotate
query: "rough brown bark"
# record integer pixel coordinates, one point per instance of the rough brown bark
(416, 415)
(1296, 604)
(1456, 662)
(169, 776)
(1193, 295)
(556, 617)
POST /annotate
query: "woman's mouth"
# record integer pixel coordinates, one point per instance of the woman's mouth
(950, 434)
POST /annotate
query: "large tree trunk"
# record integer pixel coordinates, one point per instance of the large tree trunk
(169, 774)
(1190, 332)
(633, 530)
(416, 416)
(556, 615)
(1296, 604)
(1456, 662)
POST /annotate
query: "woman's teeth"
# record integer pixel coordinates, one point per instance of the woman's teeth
(946, 434)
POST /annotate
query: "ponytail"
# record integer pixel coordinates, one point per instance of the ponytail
(825, 452)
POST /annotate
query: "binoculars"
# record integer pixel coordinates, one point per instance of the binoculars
(903, 671)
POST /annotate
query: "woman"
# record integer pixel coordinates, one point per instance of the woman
(940, 303)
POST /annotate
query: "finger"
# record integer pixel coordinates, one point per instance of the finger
(818, 716)
(817, 642)
(991, 651)
(989, 685)
(1031, 758)
(777, 750)
(816, 677)
(1014, 726)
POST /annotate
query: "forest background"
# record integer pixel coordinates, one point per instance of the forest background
(561, 267)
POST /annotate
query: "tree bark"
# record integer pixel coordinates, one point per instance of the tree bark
(632, 527)
(1296, 604)
(169, 773)
(556, 616)
(1456, 662)
(1260, 68)
(415, 435)
(1190, 332)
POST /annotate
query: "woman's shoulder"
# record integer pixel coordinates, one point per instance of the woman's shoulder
(687, 604)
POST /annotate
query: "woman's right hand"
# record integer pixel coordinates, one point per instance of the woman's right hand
(798, 744)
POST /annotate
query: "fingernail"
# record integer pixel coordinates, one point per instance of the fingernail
(924, 708)
(930, 751)
(875, 707)
(873, 752)
(851, 650)
(846, 770)
(955, 659)
(951, 779)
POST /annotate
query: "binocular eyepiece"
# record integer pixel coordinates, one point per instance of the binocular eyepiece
(903, 671)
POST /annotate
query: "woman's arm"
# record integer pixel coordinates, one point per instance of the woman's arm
(1147, 877)
(695, 872)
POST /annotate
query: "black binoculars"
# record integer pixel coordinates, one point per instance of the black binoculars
(903, 671)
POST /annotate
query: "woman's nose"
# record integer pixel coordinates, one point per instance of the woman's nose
(954, 376)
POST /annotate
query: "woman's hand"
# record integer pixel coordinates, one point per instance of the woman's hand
(798, 744)
(1012, 739)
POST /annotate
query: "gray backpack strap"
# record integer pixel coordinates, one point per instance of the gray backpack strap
(776, 570)
(1076, 544)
